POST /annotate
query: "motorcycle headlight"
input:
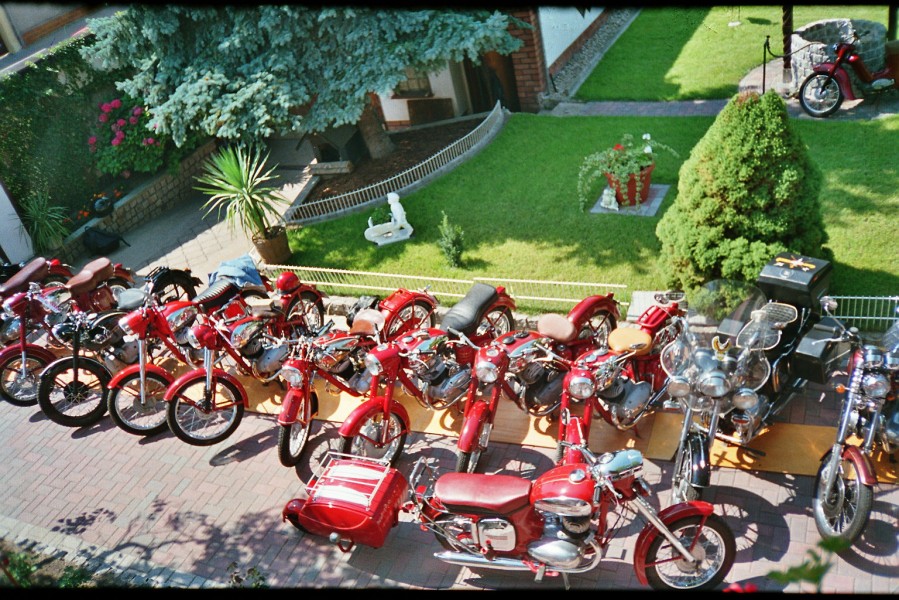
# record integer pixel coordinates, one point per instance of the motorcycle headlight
(7, 310)
(745, 399)
(875, 385)
(192, 339)
(124, 324)
(245, 332)
(713, 383)
(9, 329)
(678, 387)
(182, 317)
(373, 365)
(292, 376)
(485, 371)
(581, 387)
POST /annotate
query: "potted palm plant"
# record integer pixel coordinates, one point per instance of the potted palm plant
(237, 181)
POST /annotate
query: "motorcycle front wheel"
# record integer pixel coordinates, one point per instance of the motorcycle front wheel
(715, 547)
(199, 422)
(366, 441)
(843, 512)
(291, 441)
(681, 488)
(74, 397)
(139, 416)
(15, 388)
(820, 95)
(467, 462)
(499, 321)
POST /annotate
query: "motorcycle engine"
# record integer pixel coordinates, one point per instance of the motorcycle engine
(499, 533)
(270, 360)
(9, 329)
(447, 382)
(625, 400)
(562, 542)
(544, 395)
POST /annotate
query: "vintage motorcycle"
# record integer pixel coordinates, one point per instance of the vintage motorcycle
(823, 91)
(430, 364)
(404, 310)
(559, 524)
(54, 271)
(844, 486)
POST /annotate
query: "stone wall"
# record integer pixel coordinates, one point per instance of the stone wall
(149, 199)
(812, 43)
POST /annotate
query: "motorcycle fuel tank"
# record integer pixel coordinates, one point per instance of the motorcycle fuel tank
(566, 490)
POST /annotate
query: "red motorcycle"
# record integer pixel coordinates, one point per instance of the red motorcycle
(822, 92)
(53, 271)
(558, 524)
(429, 365)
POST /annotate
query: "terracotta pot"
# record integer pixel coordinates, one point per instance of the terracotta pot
(631, 198)
(273, 248)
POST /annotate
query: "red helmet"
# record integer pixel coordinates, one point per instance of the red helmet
(287, 282)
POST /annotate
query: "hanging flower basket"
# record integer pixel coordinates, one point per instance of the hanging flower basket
(629, 196)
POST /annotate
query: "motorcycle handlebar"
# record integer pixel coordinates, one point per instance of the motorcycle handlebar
(462, 337)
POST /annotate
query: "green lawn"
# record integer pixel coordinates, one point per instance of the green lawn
(517, 204)
(689, 53)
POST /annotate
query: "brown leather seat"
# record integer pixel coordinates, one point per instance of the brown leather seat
(557, 327)
(36, 270)
(93, 274)
(621, 339)
(367, 321)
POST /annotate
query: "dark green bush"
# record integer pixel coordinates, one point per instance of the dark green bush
(747, 191)
(450, 241)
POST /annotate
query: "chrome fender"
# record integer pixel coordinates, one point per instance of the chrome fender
(351, 425)
(694, 508)
(116, 381)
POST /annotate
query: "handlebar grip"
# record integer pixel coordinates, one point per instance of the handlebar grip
(454, 331)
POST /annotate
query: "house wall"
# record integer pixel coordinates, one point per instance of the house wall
(561, 27)
(32, 21)
(446, 83)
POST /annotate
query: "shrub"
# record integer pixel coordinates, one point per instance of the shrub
(44, 221)
(747, 191)
(121, 141)
(451, 241)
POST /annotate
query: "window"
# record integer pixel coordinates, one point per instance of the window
(416, 85)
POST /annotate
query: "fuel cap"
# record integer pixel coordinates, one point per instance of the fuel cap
(577, 476)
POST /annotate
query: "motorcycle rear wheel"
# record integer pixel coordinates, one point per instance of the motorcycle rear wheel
(291, 442)
(310, 308)
(138, 417)
(666, 570)
(18, 390)
(200, 427)
(846, 512)
(820, 95)
(71, 403)
(416, 315)
(361, 444)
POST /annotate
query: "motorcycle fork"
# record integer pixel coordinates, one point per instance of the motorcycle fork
(142, 361)
(649, 513)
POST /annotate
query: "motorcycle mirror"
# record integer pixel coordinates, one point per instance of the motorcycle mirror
(828, 304)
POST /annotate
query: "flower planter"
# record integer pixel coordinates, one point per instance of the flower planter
(629, 196)
(274, 248)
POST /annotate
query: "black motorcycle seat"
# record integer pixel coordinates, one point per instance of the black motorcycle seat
(91, 275)
(132, 298)
(217, 295)
(476, 493)
(469, 311)
(36, 270)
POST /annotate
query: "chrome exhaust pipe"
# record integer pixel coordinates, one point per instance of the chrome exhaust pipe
(477, 561)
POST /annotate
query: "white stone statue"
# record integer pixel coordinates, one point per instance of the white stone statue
(396, 230)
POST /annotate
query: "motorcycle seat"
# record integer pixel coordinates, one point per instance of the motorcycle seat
(36, 270)
(557, 327)
(368, 321)
(217, 294)
(622, 338)
(476, 493)
(468, 312)
(93, 274)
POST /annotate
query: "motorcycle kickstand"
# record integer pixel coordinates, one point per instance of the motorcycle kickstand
(565, 580)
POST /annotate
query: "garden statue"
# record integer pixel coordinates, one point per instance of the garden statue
(397, 229)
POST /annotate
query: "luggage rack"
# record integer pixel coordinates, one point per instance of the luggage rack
(348, 478)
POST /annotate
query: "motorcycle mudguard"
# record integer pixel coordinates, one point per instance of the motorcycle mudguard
(123, 272)
(81, 360)
(290, 407)
(840, 75)
(351, 425)
(862, 463)
(34, 350)
(117, 379)
(700, 470)
(201, 374)
(694, 508)
(584, 309)
(468, 437)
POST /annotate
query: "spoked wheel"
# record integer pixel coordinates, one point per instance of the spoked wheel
(599, 327)
(499, 321)
(291, 441)
(467, 462)
(140, 416)
(199, 421)
(681, 488)
(820, 95)
(309, 310)
(367, 442)
(415, 316)
(844, 510)
(117, 285)
(16, 387)
(174, 285)
(712, 543)
(74, 397)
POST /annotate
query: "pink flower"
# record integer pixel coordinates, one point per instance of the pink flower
(103, 118)
(137, 111)
(132, 120)
(121, 122)
(149, 141)
(116, 103)
(116, 141)
(105, 107)
(120, 134)
(92, 140)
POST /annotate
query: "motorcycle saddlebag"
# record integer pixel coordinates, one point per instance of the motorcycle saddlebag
(815, 359)
(357, 498)
(797, 280)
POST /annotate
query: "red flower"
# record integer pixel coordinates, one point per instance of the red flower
(121, 122)
(105, 107)
(116, 141)
(736, 587)
(103, 118)
(618, 147)
(92, 140)
(116, 103)
(132, 120)
(137, 111)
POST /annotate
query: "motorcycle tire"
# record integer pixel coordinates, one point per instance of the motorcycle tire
(415, 316)
(144, 418)
(117, 285)
(681, 489)
(370, 429)
(846, 515)
(200, 427)
(312, 310)
(665, 570)
(292, 441)
(598, 328)
(174, 285)
(499, 321)
(13, 388)
(820, 95)
(74, 404)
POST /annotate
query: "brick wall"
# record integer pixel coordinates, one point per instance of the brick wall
(148, 200)
(528, 62)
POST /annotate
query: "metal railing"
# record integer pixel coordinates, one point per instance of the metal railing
(869, 313)
(401, 183)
